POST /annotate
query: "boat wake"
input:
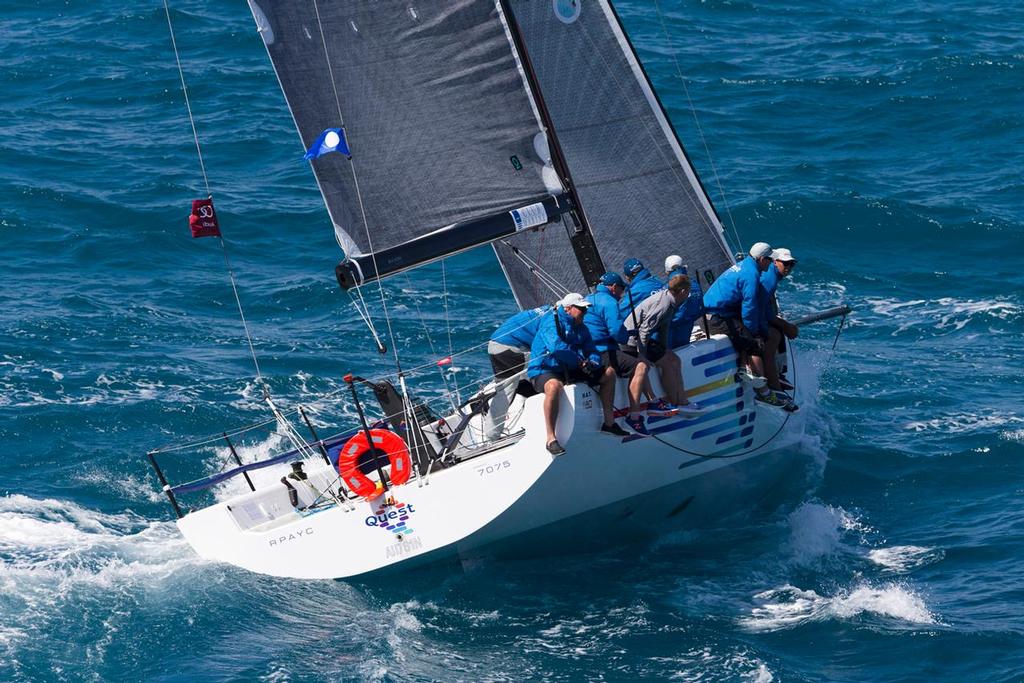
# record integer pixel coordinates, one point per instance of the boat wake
(789, 607)
(58, 558)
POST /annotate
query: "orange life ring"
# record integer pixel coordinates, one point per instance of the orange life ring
(384, 440)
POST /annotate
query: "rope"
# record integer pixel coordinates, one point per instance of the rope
(542, 276)
(785, 421)
(209, 194)
(448, 325)
(359, 194)
(184, 91)
(696, 120)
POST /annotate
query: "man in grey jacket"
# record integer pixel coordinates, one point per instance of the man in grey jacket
(646, 338)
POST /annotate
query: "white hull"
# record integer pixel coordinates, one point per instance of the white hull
(519, 498)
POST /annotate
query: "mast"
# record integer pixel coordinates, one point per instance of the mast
(582, 237)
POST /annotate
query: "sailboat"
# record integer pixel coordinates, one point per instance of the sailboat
(531, 127)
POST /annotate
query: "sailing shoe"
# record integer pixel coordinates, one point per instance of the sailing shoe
(773, 399)
(785, 383)
(614, 429)
(637, 424)
(750, 378)
(662, 408)
(555, 448)
(787, 401)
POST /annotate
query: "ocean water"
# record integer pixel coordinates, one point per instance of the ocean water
(882, 143)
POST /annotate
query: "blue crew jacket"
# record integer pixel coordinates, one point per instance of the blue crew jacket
(519, 330)
(735, 295)
(642, 286)
(603, 318)
(769, 282)
(681, 327)
(559, 354)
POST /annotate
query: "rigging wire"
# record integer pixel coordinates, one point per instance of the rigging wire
(696, 120)
(209, 194)
(448, 325)
(359, 194)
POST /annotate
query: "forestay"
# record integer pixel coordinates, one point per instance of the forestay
(438, 117)
(640, 193)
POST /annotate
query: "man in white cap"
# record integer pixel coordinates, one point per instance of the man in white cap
(783, 263)
(735, 304)
(674, 262)
(563, 352)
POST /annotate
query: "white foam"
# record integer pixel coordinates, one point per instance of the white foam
(714, 664)
(951, 314)
(49, 548)
(788, 607)
(900, 559)
(816, 531)
(964, 423)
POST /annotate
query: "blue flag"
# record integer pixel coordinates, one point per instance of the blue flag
(331, 140)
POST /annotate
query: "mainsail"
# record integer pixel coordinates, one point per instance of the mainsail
(640, 193)
(438, 115)
(445, 106)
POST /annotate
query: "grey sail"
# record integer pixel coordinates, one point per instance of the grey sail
(438, 116)
(639, 192)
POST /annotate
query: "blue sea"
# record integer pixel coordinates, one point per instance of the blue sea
(881, 142)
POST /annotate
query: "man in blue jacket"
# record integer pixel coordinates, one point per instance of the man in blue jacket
(563, 352)
(777, 327)
(603, 320)
(508, 348)
(681, 328)
(734, 302)
(641, 285)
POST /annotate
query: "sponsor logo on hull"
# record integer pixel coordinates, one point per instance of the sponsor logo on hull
(394, 518)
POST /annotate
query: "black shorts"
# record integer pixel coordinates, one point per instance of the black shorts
(593, 379)
(743, 340)
(655, 352)
(623, 363)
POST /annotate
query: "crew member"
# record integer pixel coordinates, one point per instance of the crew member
(562, 353)
(643, 334)
(641, 285)
(691, 311)
(777, 327)
(603, 321)
(508, 349)
(734, 303)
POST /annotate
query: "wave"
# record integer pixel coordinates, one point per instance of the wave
(789, 607)
(900, 559)
(56, 556)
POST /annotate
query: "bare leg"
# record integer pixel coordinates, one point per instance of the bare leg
(552, 391)
(608, 395)
(757, 366)
(671, 379)
(636, 387)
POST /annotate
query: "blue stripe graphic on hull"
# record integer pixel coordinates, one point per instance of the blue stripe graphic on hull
(714, 355)
(717, 369)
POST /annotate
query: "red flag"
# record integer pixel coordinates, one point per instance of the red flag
(203, 220)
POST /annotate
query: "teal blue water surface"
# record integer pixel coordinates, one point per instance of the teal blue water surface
(882, 142)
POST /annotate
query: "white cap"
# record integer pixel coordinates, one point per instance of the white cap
(783, 254)
(574, 299)
(673, 261)
(760, 250)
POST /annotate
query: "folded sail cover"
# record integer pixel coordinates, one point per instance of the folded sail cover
(436, 112)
